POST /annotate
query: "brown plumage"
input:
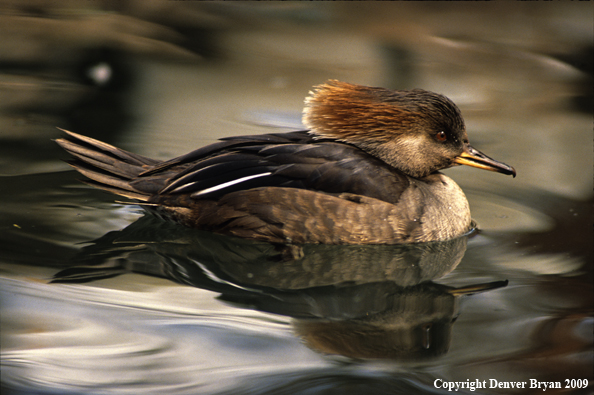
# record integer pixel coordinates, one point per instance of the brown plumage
(366, 172)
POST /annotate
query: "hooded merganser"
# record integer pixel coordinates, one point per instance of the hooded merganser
(365, 172)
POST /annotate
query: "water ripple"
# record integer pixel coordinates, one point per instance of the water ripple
(136, 342)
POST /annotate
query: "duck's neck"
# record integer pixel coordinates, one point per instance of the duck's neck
(446, 213)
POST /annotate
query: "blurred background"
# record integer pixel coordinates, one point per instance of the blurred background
(160, 77)
(163, 77)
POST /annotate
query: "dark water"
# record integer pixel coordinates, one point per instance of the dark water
(97, 298)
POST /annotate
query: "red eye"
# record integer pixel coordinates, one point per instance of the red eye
(441, 136)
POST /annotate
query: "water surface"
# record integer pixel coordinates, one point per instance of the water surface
(98, 298)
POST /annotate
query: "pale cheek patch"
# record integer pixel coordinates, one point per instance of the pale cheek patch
(403, 152)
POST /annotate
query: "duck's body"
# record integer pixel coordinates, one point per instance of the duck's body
(341, 182)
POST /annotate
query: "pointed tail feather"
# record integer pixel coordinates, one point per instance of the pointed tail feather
(108, 167)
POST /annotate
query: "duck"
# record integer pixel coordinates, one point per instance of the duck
(364, 170)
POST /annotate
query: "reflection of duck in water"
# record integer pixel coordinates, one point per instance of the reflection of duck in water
(366, 172)
(373, 301)
(163, 249)
(415, 323)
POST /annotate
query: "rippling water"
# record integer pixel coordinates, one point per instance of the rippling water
(98, 298)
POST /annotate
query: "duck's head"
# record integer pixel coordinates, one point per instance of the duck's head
(416, 131)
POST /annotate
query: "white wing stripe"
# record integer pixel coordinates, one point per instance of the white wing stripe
(229, 183)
